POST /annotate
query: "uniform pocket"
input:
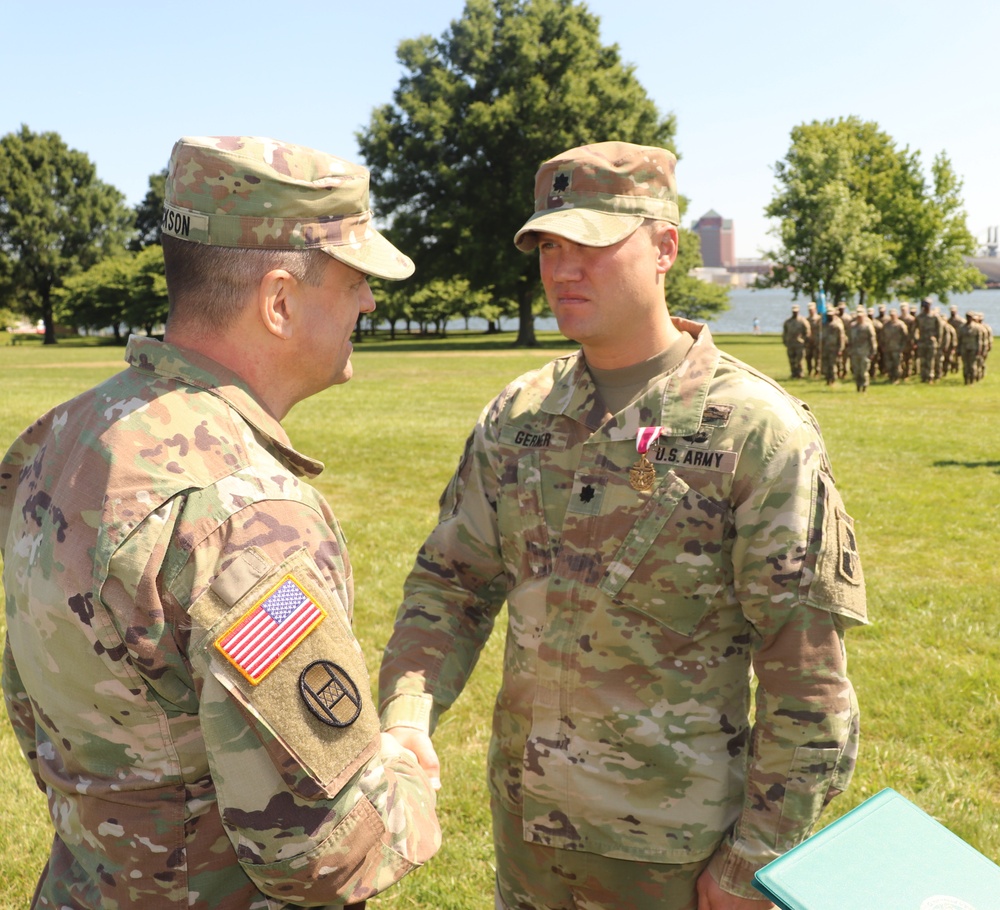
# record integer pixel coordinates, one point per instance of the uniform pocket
(669, 566)
(528, 552)
(807, 786)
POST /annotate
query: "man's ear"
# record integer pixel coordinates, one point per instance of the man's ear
(667, 241)
(276, 302)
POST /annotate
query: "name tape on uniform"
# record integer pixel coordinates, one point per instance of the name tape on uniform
(706, 459)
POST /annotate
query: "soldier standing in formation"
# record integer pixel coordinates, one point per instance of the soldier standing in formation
(987, 334)
(909, 320)
(956, 322)
(895, 338)
(815, 320)
(895, 343)
(795, 337)
(975, 340)
(832, 344)
(949, 347)
(862, 347)
(928, 336)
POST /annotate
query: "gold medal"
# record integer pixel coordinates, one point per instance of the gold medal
(642, 475)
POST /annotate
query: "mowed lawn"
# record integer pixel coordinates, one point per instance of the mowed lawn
(919, 468)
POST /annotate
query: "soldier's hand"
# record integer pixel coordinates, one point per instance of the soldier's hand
(419, 743)
(712, 897)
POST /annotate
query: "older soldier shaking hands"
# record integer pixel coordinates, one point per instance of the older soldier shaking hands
(180, 668)
(662, 522)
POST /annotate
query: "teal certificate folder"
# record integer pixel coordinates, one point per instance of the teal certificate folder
(886, 854)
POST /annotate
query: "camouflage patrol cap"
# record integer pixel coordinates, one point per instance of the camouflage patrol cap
(254, 193)
(598, 194)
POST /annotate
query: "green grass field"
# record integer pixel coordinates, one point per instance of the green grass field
(919, 468)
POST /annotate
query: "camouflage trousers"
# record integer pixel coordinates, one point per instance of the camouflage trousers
(796, 353)
(535, 877)
(928, 361)
(860, 367)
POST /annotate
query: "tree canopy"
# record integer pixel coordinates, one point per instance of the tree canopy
(149, 212)
(453, 159)
(129, 289)
(56, 219)
(855, 213)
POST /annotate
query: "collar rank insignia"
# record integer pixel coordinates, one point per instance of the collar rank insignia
(270, 631)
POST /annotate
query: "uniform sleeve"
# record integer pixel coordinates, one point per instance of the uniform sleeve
(452, 595)
(19, 710)
(315, 811)
(799, 580)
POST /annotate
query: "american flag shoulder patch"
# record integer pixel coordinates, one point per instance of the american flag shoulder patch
(270, 630)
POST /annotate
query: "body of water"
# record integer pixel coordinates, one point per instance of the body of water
(772, 306)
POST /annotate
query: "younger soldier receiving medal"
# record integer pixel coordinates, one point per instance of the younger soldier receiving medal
(624, 769)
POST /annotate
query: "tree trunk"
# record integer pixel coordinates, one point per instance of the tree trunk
(48, 320)
(526, 321)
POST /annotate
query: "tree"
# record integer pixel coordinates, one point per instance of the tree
(125, 290)
(149, 212)
(453, 159)
(932, 258)
(835, 188)
(56, 219)
(855, 213)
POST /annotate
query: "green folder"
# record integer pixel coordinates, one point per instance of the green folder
(886, 854)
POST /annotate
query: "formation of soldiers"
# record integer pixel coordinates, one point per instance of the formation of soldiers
(896, 344)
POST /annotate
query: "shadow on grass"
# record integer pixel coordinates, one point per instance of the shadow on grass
(968, 464)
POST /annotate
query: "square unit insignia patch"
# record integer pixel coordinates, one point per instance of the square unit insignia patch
(265, 635)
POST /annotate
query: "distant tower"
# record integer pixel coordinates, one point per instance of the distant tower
(992, 242)
(717, 243)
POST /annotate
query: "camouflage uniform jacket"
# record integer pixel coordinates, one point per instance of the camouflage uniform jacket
(141, 524)
(621, 727)
(929, 329)
(834, 337)
(796, 331)
(895, 336)
(862, 339)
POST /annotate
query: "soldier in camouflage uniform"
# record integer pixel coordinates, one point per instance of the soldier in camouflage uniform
(862, 347)
(895, 338)
(909, 352)
(795, 336)
(949, 345)
(970, 347)
(956, 322)
(929, 335)
(815, 320)
(179, 668)
(660, 518)
(833, 343)
(986, 333)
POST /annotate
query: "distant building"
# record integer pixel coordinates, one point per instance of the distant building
(989, 266)
(717, 240)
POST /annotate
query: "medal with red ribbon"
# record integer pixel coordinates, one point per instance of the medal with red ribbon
(642, 475)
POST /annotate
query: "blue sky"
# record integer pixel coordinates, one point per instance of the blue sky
(122, 80)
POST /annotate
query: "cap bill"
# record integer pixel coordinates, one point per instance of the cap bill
(584, 226)
(373, 255)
